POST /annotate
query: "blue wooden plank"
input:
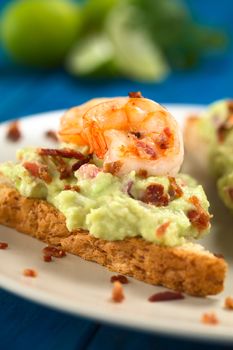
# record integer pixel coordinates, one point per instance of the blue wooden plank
(26, 325)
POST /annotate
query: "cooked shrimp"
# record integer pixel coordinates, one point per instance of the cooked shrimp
(132, 134)
(71, 123)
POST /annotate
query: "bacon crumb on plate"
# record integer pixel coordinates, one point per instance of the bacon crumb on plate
(165, 296)
(3, 245)
(209, 318)
(52, 135)
(29, 273)
(122, 279)
(13, 132)
(47, 258)
(54, 251)
(117, 292)
(228, 304)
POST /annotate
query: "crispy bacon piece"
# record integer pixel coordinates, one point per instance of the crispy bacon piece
(165, 296)
(54, 251)
(142, 173)
(113, 167)
(47, 258)
(227, 124)
(13, 132)
(30, 273)
(72, 188)
(52, 135)
(154, 194)
(174, 191)
(161, 230)
(3, 245)
(81, 162)
(164, 140)
(64, 153)
(122, 279)
(144, 148)
(230, 192)
(228, 303)
(135, 94)
(117, 292)
(198, 217)
(219, 255)
(209, 318)
(38, 170)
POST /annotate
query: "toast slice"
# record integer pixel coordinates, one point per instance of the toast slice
(188, 268)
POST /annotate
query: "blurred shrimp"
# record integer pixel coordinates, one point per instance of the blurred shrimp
(132, 134)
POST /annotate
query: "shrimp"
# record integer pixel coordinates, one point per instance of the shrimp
(71, 122)
(132, 134)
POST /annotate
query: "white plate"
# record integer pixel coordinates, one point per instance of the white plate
(83, 288)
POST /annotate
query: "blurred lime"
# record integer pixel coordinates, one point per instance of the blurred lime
(136, 55)
(40, 32)
(95, 11)
(93, 54)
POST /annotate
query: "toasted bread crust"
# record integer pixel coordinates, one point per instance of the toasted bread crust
(187, 269)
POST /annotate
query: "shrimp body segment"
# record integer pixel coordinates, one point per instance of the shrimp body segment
(132, 133)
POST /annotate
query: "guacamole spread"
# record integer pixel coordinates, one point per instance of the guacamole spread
(216, 128)
(163, 210)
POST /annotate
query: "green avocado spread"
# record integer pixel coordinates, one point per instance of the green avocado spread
(111, 207)
(216, 128)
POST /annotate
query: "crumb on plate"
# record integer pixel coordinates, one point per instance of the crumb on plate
(228, 304)
(3, 245)
(117, 292)
(122, 279)
(209, 318)
(13, 132)
(29, 273)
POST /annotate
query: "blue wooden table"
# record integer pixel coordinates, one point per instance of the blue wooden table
(25, 325)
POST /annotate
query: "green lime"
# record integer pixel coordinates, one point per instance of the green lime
(136, 55)
(91, 55)
(40, 32)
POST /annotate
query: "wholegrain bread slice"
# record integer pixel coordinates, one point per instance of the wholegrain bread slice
(189, 268)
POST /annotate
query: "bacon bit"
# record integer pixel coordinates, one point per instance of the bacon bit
(230, 192)
(135, 94)
(64, 153)
(29, 273)
(174, 191)
(38, 170)
(165, 296)
(50, 134)
(164, 140)
(113, 167)
(47, 258)
(122, 279)
(3, 245)
(198, 217)
(146, 148)
(142, 173)
(79, 163)
(136, 134)
(13, 132)
(128, 188)
(71, 188)
(227, 124)
(218, 255)
(161, 230)
(209, 318)
(117, 292)
(54, 251)
(228, 304)
(154, 194)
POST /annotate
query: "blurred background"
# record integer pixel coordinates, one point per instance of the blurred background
(55, 54)
(59, 53)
